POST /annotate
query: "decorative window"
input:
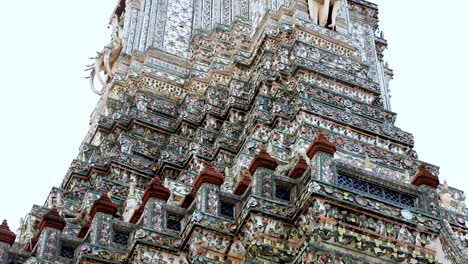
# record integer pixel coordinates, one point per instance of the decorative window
(173, 222)
(283, 192)
(407, 200)
(67, 252)
(227, 209)
(120, 238)
(381, 192)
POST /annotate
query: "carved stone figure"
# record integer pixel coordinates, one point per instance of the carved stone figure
(445, 197)
(319, 11)
(105, 60)
(131, 203)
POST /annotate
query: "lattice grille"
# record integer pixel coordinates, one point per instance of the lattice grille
(121, 238)
(392, 196)
(376, 190)
(283, 193)
(345, 181)
(227, 209)
(67, 252)
(173, 222)
(360, 185)
(407, 200)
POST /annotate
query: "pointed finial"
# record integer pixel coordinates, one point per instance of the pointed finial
(208, 175)
(103, 205)
(321, 144)
(156, 189)
(424, 177)
(367, 164)
(6, 236)
(52, 219)
(299, 169)
(263, 160)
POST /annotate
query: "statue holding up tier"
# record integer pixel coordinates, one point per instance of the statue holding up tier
(319, 11)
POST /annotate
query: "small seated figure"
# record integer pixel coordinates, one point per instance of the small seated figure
(319, 11)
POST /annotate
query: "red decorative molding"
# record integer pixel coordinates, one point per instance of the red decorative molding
(103, 205)
(137, 214)
(243, 185)
(53, 220)
(189, 198)
(263, 160)
(208, 175)
(6, 236)
(321, 144)
(156, 189)
(424, 177)
(84, 229)
(299, 169)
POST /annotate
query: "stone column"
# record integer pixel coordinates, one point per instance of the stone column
(320, 153)
(101, 216)
(428, 183)
(50, 228)
(207, 184)
(153, 205)
(262, 168)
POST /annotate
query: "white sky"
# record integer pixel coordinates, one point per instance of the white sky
(45, 103)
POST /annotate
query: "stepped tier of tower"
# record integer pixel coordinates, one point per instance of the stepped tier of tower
(270, 144)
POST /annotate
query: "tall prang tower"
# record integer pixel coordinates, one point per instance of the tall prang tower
(244, 131)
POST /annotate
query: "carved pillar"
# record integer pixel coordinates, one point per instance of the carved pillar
(7, 238)
(101, 215)
(428, 183)
(424, 177)
(154, 204)
(50, 228)
(207, 184)
(320, 153)
(262, 168)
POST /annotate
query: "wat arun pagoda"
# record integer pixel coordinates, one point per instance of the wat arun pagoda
(244, 131)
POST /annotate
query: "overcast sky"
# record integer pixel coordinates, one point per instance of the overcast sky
(46, 103)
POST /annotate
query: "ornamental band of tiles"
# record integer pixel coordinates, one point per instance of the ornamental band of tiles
(244, 131)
